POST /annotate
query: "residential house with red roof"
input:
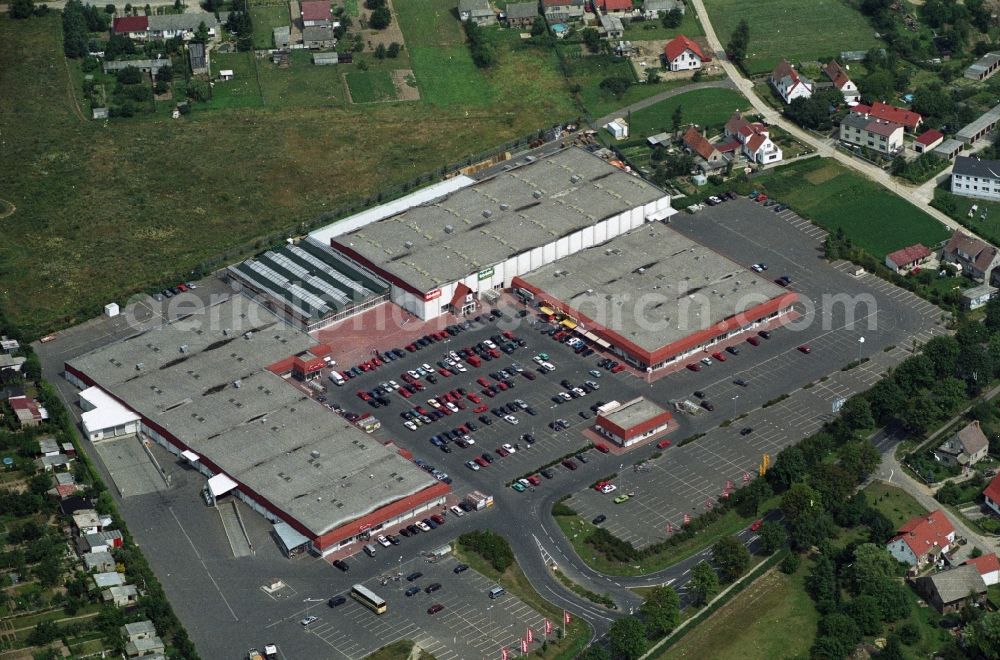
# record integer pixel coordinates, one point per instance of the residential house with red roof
(991, 494)
(614, 6)
(754, 139)
(906, 259)
(789, 84)
(838, 76)
(927, 141)
(316, 13)
(27, 411)
(988, 567)
(708, 157)
(974, 257)
(923, 539)
(133, 27)
(910, 120)
(682, 54)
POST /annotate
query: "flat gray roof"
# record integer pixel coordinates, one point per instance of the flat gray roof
(633, 412)
(480, 226)
(984, 121)
(264, 433)
(653, 286)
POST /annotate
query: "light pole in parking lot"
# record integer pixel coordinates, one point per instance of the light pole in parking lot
(735, 396)
(861, 343)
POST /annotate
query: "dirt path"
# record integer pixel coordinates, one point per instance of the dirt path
(656, 98)
(72, 92)
(294, 22)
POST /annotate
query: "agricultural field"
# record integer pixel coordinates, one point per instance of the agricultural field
(705, 107)
(370, 86)
(91, 224)
(775, 604)
(791, 29)
(827, 193)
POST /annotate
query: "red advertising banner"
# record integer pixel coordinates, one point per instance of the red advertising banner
(548, 627)
(529, 636)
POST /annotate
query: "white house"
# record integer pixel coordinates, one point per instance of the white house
(789, 84)
(922, 539)
(972, 177)
(876, 134)
(988, 567)
(755, 140)
(838, 76)
(682, 54)
(991, 494)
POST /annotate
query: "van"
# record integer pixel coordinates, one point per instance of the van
(370, 550)
(496, 592)
(336, 378)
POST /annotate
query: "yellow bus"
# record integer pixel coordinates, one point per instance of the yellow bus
(368, 598)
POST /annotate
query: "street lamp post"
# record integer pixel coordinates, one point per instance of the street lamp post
(861, 344)
(735, 396)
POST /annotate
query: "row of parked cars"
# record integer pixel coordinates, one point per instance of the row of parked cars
(611, 365)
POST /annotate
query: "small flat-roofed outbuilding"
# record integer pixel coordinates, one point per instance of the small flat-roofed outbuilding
(632, 421)
(656, 296)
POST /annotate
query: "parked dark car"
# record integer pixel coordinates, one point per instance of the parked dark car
(336, 601)
(416, 575)
(341, 564)
(599, 519)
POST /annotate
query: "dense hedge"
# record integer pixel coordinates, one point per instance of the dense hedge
(490, 546)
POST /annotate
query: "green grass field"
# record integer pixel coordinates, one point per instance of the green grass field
(705, 107)
(265, 19)
(240, 92)
(429, 22)
(370, 86)
(588, 72)
(894, 503)
(654, 30)
(95, 222)
(823, 191)
(302, 84)
(771, 618)
(791, 29)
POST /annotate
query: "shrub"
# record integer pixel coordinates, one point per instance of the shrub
(490, 546)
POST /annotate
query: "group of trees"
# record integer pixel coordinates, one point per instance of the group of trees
(490, 546)
(392, 52)
(817, 111)
(78, 20)
(629, 637)
(240, 24)
(483, 53)
(736, 49)
(381, 17)
(672, 19)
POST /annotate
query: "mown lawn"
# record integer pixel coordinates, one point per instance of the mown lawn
(792, 29)
(653, 30)
(370, 86)
(429, 22)
(302, 84)
(823, 191)
(771, 618)
(705, 107)
(894, 503)
(265, 19)
(242, 91)
(108, 209)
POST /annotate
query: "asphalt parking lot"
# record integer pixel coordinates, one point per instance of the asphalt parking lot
(688, 479)
(471, 624)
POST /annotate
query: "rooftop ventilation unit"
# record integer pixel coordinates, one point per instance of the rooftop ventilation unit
(408, 245)
(314, 453)
(504, 206)
(575, 178)
(487, 213)
(449, 229)
(184, 348)
(237, 383)
(641, 270)
(248, 334)
(139, 366)
(225, 332)
(537, 194)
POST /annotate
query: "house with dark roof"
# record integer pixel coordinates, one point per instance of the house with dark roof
(169, 26)
(198, 58)
(967, 447)
(973, 177)
(839, 78)
(320, 36)
(709, 158)
(908, 119)
(868, 132)
(927, 141)
(922, 540)
(683, 54)
(951, 590)
(560, 11)
(521, 14)
(478, 11)
(988, 567)
(906, 259)
(789, 84)
(974, 257)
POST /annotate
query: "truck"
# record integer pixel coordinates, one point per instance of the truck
(478, 500)
(270, 651)
(254, 654)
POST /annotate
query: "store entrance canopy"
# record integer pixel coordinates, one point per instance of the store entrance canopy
(220, 484)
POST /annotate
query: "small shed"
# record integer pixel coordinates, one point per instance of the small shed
(660, 139)
(111, 310)
(226, 74)
(282, 36)
(100, 113)
(618, 128)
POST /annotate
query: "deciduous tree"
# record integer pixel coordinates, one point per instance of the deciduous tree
(661, 610)
(627, 638)
(703, 584)
(732, 558)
